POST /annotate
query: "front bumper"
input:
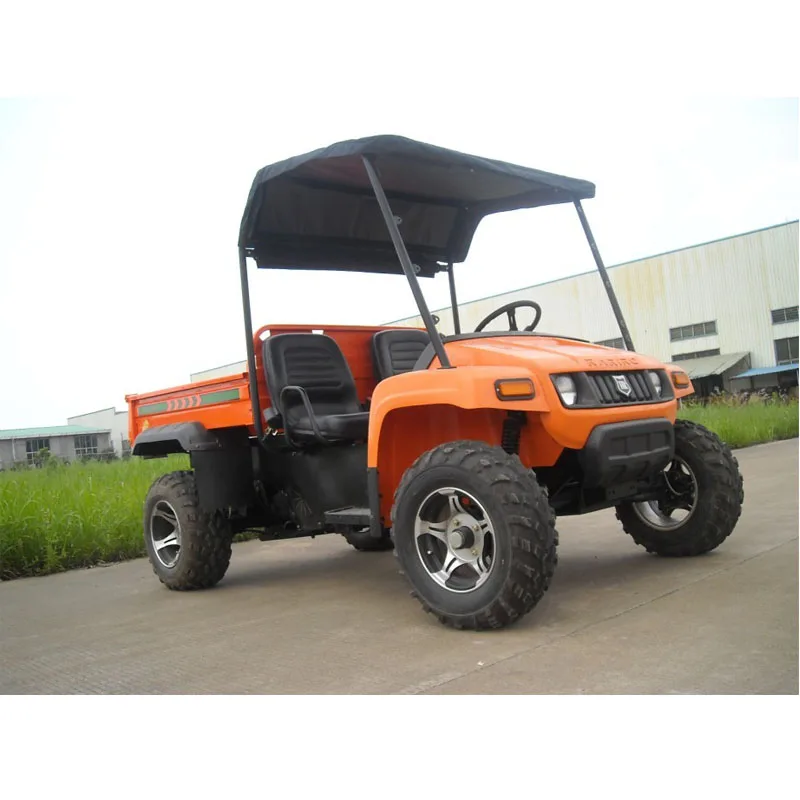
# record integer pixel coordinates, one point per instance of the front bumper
(623, 452)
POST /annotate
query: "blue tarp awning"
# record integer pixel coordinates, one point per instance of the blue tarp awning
(752, 373)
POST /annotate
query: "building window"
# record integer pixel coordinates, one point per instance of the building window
(695, 354)
(86, 445)
(786, 350)
(615, 343)
(692, 331)
(34, 446)
(784, 315)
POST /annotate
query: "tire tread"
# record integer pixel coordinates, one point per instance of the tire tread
(534, 539)
(206, 538)
(708, 530)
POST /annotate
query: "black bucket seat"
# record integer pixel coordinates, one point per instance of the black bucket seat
(313, 390)
(397, 351)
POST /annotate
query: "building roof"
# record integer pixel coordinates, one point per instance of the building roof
(711, 365)
(751, 373)
(53, 430)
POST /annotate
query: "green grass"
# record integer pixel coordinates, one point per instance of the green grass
(742, 426)
(63, 517)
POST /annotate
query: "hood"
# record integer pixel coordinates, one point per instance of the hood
(545, 354)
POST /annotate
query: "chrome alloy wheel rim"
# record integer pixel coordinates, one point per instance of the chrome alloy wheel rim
(165, 533)
(455, 540)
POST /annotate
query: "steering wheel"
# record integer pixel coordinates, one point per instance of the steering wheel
(511, 310)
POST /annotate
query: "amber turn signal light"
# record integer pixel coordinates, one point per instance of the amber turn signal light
(680, 379)
(514, 388)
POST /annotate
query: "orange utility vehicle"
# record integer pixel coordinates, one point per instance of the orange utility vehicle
(456, 450)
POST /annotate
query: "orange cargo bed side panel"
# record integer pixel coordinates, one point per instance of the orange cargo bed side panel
(216, 403)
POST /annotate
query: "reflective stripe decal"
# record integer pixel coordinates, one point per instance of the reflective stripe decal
(152, 408)
(189, 401)
(219, 397)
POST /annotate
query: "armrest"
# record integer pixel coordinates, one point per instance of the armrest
(301, 392)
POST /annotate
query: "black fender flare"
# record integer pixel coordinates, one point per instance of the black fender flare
(180, 437)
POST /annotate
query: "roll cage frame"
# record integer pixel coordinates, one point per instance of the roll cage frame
(390, 221)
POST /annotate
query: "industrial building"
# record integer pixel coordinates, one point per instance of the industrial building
(66, 442)
(725, 310)
(115, 422)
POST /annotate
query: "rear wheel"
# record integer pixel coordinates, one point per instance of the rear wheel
(188, 548)
(474, 534)
(701, 498)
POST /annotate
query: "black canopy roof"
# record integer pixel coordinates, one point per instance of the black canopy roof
(318, 210)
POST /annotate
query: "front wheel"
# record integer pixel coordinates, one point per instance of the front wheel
(474, 534)
(701, 498)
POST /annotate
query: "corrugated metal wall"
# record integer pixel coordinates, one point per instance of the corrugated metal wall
(736, 282)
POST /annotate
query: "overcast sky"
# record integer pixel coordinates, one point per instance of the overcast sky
(119, 212)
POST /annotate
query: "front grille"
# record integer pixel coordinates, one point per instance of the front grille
(610, 387)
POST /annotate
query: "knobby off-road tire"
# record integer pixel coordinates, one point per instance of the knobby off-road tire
(718, 504)
(524, 538)
(364, 542)
(204, 551)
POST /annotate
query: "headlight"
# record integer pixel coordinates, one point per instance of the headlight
(566, 388)
(656, 378)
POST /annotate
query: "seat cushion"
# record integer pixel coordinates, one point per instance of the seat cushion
(396, 351)
(341, 427)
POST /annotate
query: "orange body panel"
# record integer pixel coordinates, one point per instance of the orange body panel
(409, 432)
(415, 411)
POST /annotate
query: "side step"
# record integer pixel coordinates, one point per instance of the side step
(351, 515)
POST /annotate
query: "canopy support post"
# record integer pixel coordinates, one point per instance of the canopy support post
(251, 353)
(405, 262)
(626, 336)
(453, 302)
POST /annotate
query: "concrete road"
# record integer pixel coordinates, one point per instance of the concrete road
(317, 617)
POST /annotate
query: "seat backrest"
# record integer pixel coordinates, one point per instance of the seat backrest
(317, 364)
(396, 351)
